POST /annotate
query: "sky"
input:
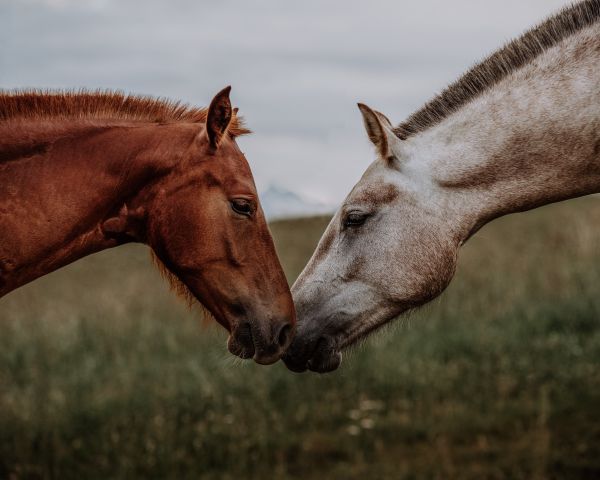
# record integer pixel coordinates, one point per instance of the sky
(297, 68)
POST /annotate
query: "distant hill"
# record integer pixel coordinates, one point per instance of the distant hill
(278, 203)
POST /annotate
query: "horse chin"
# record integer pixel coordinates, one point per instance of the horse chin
(325, 364)
(241, 342)
(324, 357)
(246, 342)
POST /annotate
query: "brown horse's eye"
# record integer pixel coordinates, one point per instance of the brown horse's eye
(243, 207)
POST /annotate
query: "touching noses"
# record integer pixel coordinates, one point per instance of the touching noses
(284, 335)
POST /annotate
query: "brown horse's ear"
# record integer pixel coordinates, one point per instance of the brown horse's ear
(219, 117)
(380, 132)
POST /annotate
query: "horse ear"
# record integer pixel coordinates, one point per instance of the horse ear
(385, 121)
(380, 132)
(219, 117)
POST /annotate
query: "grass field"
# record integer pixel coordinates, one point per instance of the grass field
(103, 374)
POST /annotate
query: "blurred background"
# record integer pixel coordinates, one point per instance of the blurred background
(105, 374)
(297, 68)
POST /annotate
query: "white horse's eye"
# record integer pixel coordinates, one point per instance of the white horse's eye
(355, 219)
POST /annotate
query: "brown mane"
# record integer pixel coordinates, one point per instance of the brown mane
(176, 285)
(103, 104)
(500, 64)
(180, 289)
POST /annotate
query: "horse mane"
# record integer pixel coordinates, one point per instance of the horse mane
(500, 64)
(103, 104)
(179, 288)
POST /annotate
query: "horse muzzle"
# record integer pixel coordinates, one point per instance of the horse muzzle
(247, 340)
(317, 354)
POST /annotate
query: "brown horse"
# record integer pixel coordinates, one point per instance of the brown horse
(82, 172)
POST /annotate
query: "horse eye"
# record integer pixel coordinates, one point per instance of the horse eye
(243, 207)
(355, 219)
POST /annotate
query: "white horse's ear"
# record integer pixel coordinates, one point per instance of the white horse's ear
(385, 121)
(380, 132)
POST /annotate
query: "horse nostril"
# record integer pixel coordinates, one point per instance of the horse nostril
(244, 334)
(284, 335)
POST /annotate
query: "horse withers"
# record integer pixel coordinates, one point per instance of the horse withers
(85, 171)
(519, 130)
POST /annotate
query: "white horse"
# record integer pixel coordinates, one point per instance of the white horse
(519, 130)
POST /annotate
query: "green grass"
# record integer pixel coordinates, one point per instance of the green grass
(103, 374)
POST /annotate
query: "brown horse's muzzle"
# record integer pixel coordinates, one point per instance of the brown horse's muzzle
(261, 327)
(249, 339)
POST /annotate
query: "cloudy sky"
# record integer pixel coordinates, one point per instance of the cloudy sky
(297, 68)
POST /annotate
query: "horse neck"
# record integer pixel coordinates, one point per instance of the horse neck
(532, 139)
(63, 182)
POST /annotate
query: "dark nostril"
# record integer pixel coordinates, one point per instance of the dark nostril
(284, 335)
(244, 334)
